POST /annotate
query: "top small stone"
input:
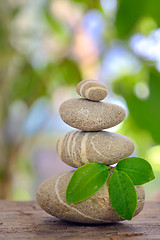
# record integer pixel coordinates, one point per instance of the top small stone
(92, 90)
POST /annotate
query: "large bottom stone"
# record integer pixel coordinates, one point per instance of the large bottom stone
(51, 197)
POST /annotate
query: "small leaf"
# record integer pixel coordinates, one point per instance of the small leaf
(138, 169)
(86, 181)
(122, 194)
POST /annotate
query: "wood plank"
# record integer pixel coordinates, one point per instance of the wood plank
(26, 220)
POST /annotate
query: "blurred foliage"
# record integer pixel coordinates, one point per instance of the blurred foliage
(130, 12)
(144, 112)
(22, 80)
(28, 85)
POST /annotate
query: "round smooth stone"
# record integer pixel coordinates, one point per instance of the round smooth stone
(92, 90)
(77, 148)
(87, 115)
(97, 209)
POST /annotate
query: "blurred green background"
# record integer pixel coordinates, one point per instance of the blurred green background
(46, 48)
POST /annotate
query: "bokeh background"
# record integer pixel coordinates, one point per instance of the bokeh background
(46, 48)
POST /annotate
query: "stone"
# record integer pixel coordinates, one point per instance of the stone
(77, 148)
(92, 90)
(87, 115)
(97, 209)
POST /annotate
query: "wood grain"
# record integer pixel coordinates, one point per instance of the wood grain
(25, 220)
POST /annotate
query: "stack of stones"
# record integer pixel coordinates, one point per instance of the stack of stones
(88, 144)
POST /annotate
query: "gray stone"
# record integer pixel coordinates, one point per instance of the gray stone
(87, 115)
(51, 197)
(92, 90)
(77, 148)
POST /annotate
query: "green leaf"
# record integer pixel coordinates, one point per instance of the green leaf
(86, 181)
(138, 169)
(122, 194)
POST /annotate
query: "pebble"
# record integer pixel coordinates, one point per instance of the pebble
(77, 148)
(87, 115)
(92, 90)
(97, 209)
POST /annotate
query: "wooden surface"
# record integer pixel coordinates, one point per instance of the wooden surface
(25, 220)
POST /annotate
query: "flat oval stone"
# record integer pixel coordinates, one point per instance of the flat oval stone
(87, 115)
(51, 197)
(77, 148)
(92, 90)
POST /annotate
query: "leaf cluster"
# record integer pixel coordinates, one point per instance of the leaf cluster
(88, 179)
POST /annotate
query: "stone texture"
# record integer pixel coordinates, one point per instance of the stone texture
(77, 148)
(96, 209)
(92, 90)
(87, 115)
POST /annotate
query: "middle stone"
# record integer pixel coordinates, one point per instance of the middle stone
(77, 148)
(89, 116)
